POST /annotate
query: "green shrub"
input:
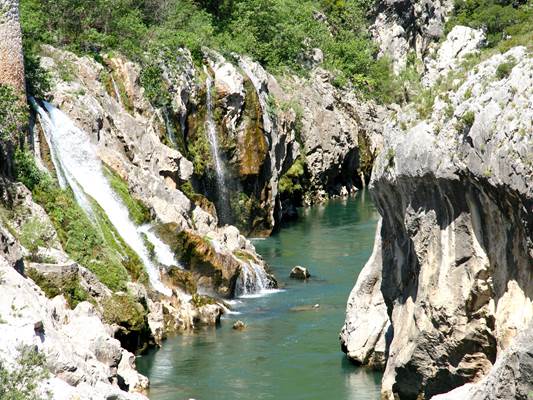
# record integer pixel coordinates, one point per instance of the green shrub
(503, 20)
(504, 69)
(22, 382)
(68, 285)
(139, 212)
(293, 181)
(468, 119)
(13, 113)
(274, 32)
(34, 234)
(26, 170)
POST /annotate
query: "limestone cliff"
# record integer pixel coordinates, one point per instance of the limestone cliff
(408, 25)
(456, 250)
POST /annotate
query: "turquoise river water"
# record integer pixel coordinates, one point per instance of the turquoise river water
(289, 350)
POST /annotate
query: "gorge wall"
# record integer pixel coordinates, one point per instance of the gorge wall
(447, 293)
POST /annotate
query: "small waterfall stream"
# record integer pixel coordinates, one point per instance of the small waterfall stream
(222, 188)
(117, 92)
(78, 166)
(252, 282)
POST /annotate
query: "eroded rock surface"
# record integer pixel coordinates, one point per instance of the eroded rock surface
(456, 199)
(81, 354)
(408, 25)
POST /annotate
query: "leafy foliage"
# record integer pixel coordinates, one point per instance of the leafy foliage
(503, 20)
(277, 33)
(12, 114)
(22, 383)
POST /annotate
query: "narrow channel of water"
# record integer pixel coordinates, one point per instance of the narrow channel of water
(288, 351)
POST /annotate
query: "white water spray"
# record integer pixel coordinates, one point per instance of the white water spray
(253, 281)
(75, 159)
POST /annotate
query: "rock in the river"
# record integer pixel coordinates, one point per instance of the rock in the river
(239, 325)
(299, 272)
(363, 336)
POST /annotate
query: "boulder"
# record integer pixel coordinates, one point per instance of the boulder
(239, 325)
(363, 336)
(299, 272)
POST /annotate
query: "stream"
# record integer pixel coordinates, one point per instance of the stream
(289, 349)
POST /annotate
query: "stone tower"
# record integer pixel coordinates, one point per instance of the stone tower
(11, 74)
(11, 58)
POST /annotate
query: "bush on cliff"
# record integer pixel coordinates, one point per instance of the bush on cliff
(277, 33)
(22, 382)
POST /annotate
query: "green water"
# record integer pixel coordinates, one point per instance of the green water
(284, 353)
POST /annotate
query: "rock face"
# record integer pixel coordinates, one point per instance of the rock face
(460, 42)
(129, 141)
(456, 199)
(363, 336)
(339, 135)
(82, 356)
(510, 378)
(408, 25)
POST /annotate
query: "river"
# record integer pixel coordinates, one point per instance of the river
(289, 349)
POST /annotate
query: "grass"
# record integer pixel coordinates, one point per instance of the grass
(138, 211)
(67, 285)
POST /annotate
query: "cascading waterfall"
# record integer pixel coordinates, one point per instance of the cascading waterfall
(222, 189)
(115, 88)
(252, 281)
(170, 129)
(79, 167)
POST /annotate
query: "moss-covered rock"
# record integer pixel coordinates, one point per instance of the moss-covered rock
(130, 317)
(252, 145)
(64, 283)
(217, 272)
(179, 278)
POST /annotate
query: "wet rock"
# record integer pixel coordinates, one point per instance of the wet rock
(299, 272)
(239, 325)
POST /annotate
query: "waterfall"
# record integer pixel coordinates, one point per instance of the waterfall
(222, 189)
(77, 164)
(253, 281)
(169, 129)
(117, 92)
